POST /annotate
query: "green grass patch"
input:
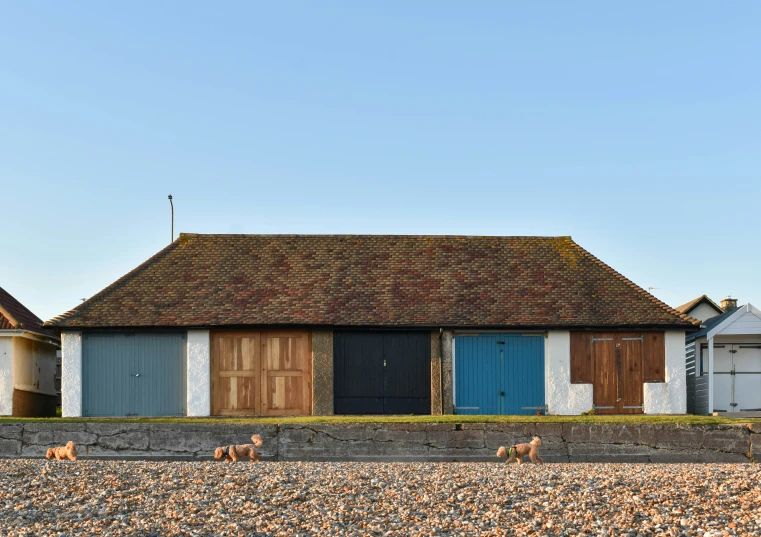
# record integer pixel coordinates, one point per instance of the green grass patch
(404, 419)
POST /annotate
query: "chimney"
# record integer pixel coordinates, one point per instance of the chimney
(729, 304)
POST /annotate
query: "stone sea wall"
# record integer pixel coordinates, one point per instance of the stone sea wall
(571, 442)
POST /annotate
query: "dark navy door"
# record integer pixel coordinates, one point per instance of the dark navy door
(499, 374)
(382, 372)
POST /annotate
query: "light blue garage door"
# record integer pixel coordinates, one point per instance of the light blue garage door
(133, 374)
(499, 374)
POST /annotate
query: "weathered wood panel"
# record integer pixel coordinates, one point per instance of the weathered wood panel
(582, 364)
(631, 392)
(261, 373)
(618, 364)
(654, 369)
(286, 374)
(605, 373)
(235, 358)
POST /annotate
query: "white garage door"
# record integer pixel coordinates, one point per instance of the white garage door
(737, 377)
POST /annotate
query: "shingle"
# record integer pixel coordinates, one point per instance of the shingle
(372, 280)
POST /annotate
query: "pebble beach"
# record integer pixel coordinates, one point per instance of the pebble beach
(39, 497)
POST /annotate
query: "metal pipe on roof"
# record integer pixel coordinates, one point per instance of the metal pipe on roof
(172, 204)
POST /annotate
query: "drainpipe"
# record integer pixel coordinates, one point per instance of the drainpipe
(441, 369)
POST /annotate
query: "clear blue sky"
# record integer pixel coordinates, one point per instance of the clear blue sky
(633, 127)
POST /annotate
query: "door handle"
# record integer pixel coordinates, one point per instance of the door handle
(501, 394)
(137, 374)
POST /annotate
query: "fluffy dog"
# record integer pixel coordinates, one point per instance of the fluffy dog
(69, 451)
(235, 452)
(517, 452)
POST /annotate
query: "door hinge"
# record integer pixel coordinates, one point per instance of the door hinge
(384, 363)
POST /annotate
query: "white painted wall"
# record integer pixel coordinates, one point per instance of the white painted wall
(71, 374)
(669, 397)
(563, 397)
(6, 376)
(34, 365)
(745, 324)
(199, 373)
(746, 387)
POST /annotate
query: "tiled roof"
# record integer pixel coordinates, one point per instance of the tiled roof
(373, 280)
(15, 316)
(692, 304)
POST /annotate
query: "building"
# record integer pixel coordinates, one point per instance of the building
(297, 324)
(27, 361)
(724, 362)
(701, 308)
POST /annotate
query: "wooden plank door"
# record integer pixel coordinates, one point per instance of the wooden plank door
(618, 373)
(407, 372)
(605, 385)
(286, 374)
(235, 364)
(358, 372)
(630, 381)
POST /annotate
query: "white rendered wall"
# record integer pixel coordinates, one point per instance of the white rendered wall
(34, 365)
(669, 397)
(199, 373)
(563, 397)
(6, 376)
(71, 374)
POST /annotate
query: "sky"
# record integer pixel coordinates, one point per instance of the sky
(633, 127)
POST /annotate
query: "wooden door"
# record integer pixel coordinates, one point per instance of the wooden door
(286, 374)
(630, 379)
(358, 372)
(605, 385)
(407, 373)
(382, 372)
(235, 365)
(618, 377)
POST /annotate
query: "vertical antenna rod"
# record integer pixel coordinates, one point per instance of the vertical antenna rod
(172, 204)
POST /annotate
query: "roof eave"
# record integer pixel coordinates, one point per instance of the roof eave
(386, 326)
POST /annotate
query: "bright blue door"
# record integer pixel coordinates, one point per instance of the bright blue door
(499, 374)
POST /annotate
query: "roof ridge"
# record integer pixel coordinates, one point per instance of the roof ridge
(381, 235)
(134, 272)
(637, 288)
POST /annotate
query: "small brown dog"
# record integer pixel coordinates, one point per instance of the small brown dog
(519, 451)
(69, 451)
(235, 452)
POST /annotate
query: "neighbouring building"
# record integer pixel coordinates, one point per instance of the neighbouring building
(369, 324)
(701, 308)
(27, 361)
(724, 361)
